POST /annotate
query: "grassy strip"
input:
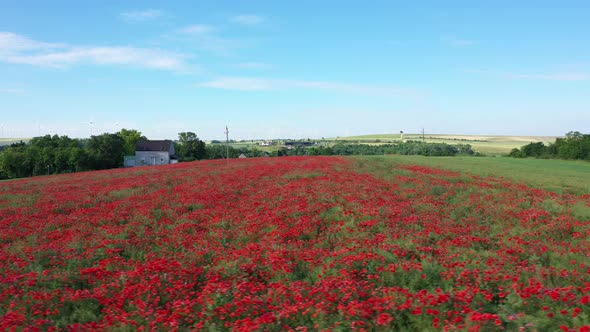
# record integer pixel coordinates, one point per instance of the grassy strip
(561, 176)
(492, 145)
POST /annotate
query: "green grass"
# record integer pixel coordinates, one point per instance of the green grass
(562, 176)
(493, 145)
(302, 175)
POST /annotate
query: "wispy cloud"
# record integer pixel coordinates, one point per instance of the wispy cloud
(16, 43)
(10, 90)
(255, 65)
(248, 19)
(393, 43)
(274, 84)
(205, 38)
(462, 42)
(563, 76)
(142, 15)
(19, 49)
(197, 29)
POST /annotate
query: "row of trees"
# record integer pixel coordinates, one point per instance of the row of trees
(62, 154)
(403, 148)
(574, 145)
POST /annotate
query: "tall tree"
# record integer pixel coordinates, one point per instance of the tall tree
(191, 147)
(131, 137)
(106, 151)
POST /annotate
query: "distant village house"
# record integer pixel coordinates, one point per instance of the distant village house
(149, 152)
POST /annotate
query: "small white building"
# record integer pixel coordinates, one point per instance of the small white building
(128, 161)
(154, 153)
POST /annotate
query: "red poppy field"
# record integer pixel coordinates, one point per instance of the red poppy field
(294, 243)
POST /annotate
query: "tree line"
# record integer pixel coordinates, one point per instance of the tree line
(574, 145)
(347, 149)
(60, 154)
(402, 148)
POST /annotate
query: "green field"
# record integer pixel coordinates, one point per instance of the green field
(491, 144)
(562, 176)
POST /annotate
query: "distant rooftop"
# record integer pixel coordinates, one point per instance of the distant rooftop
(147, 145)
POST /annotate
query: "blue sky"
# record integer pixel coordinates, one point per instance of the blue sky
(294, 68)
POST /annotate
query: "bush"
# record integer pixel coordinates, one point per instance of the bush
(574, 146)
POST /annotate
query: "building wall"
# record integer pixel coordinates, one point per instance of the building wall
(172, 151)
(145, 158)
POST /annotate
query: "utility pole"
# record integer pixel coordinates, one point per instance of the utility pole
(227, 143)
(422, 135)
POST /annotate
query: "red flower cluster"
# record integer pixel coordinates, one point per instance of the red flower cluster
(297, 243)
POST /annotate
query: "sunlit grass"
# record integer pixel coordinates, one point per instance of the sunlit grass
(563, 176)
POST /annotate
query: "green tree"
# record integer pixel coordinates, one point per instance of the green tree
(191, 147)
(534, 149)
(218, 151)
(106, 151)
(11, 164)
(574, 145)
(130, 137)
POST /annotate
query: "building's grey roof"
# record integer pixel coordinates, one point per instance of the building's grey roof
(148, 145)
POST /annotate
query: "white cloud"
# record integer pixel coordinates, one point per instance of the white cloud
(10, 90)
(393, 43)
(204, 37)
(197, 29)
(141, 16)
(22, 50)
(273, 84)
(552, 77)
(245, 84)
(462, 42)
(248, 19)
(563, 76)
(13, 42)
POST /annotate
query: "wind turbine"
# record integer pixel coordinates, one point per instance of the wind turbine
(116, 126)
(90, 123)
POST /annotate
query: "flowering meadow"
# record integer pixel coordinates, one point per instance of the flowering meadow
(293, 243)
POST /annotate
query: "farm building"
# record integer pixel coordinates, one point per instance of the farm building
(129, 161)
(242, 156)
(154, 153)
